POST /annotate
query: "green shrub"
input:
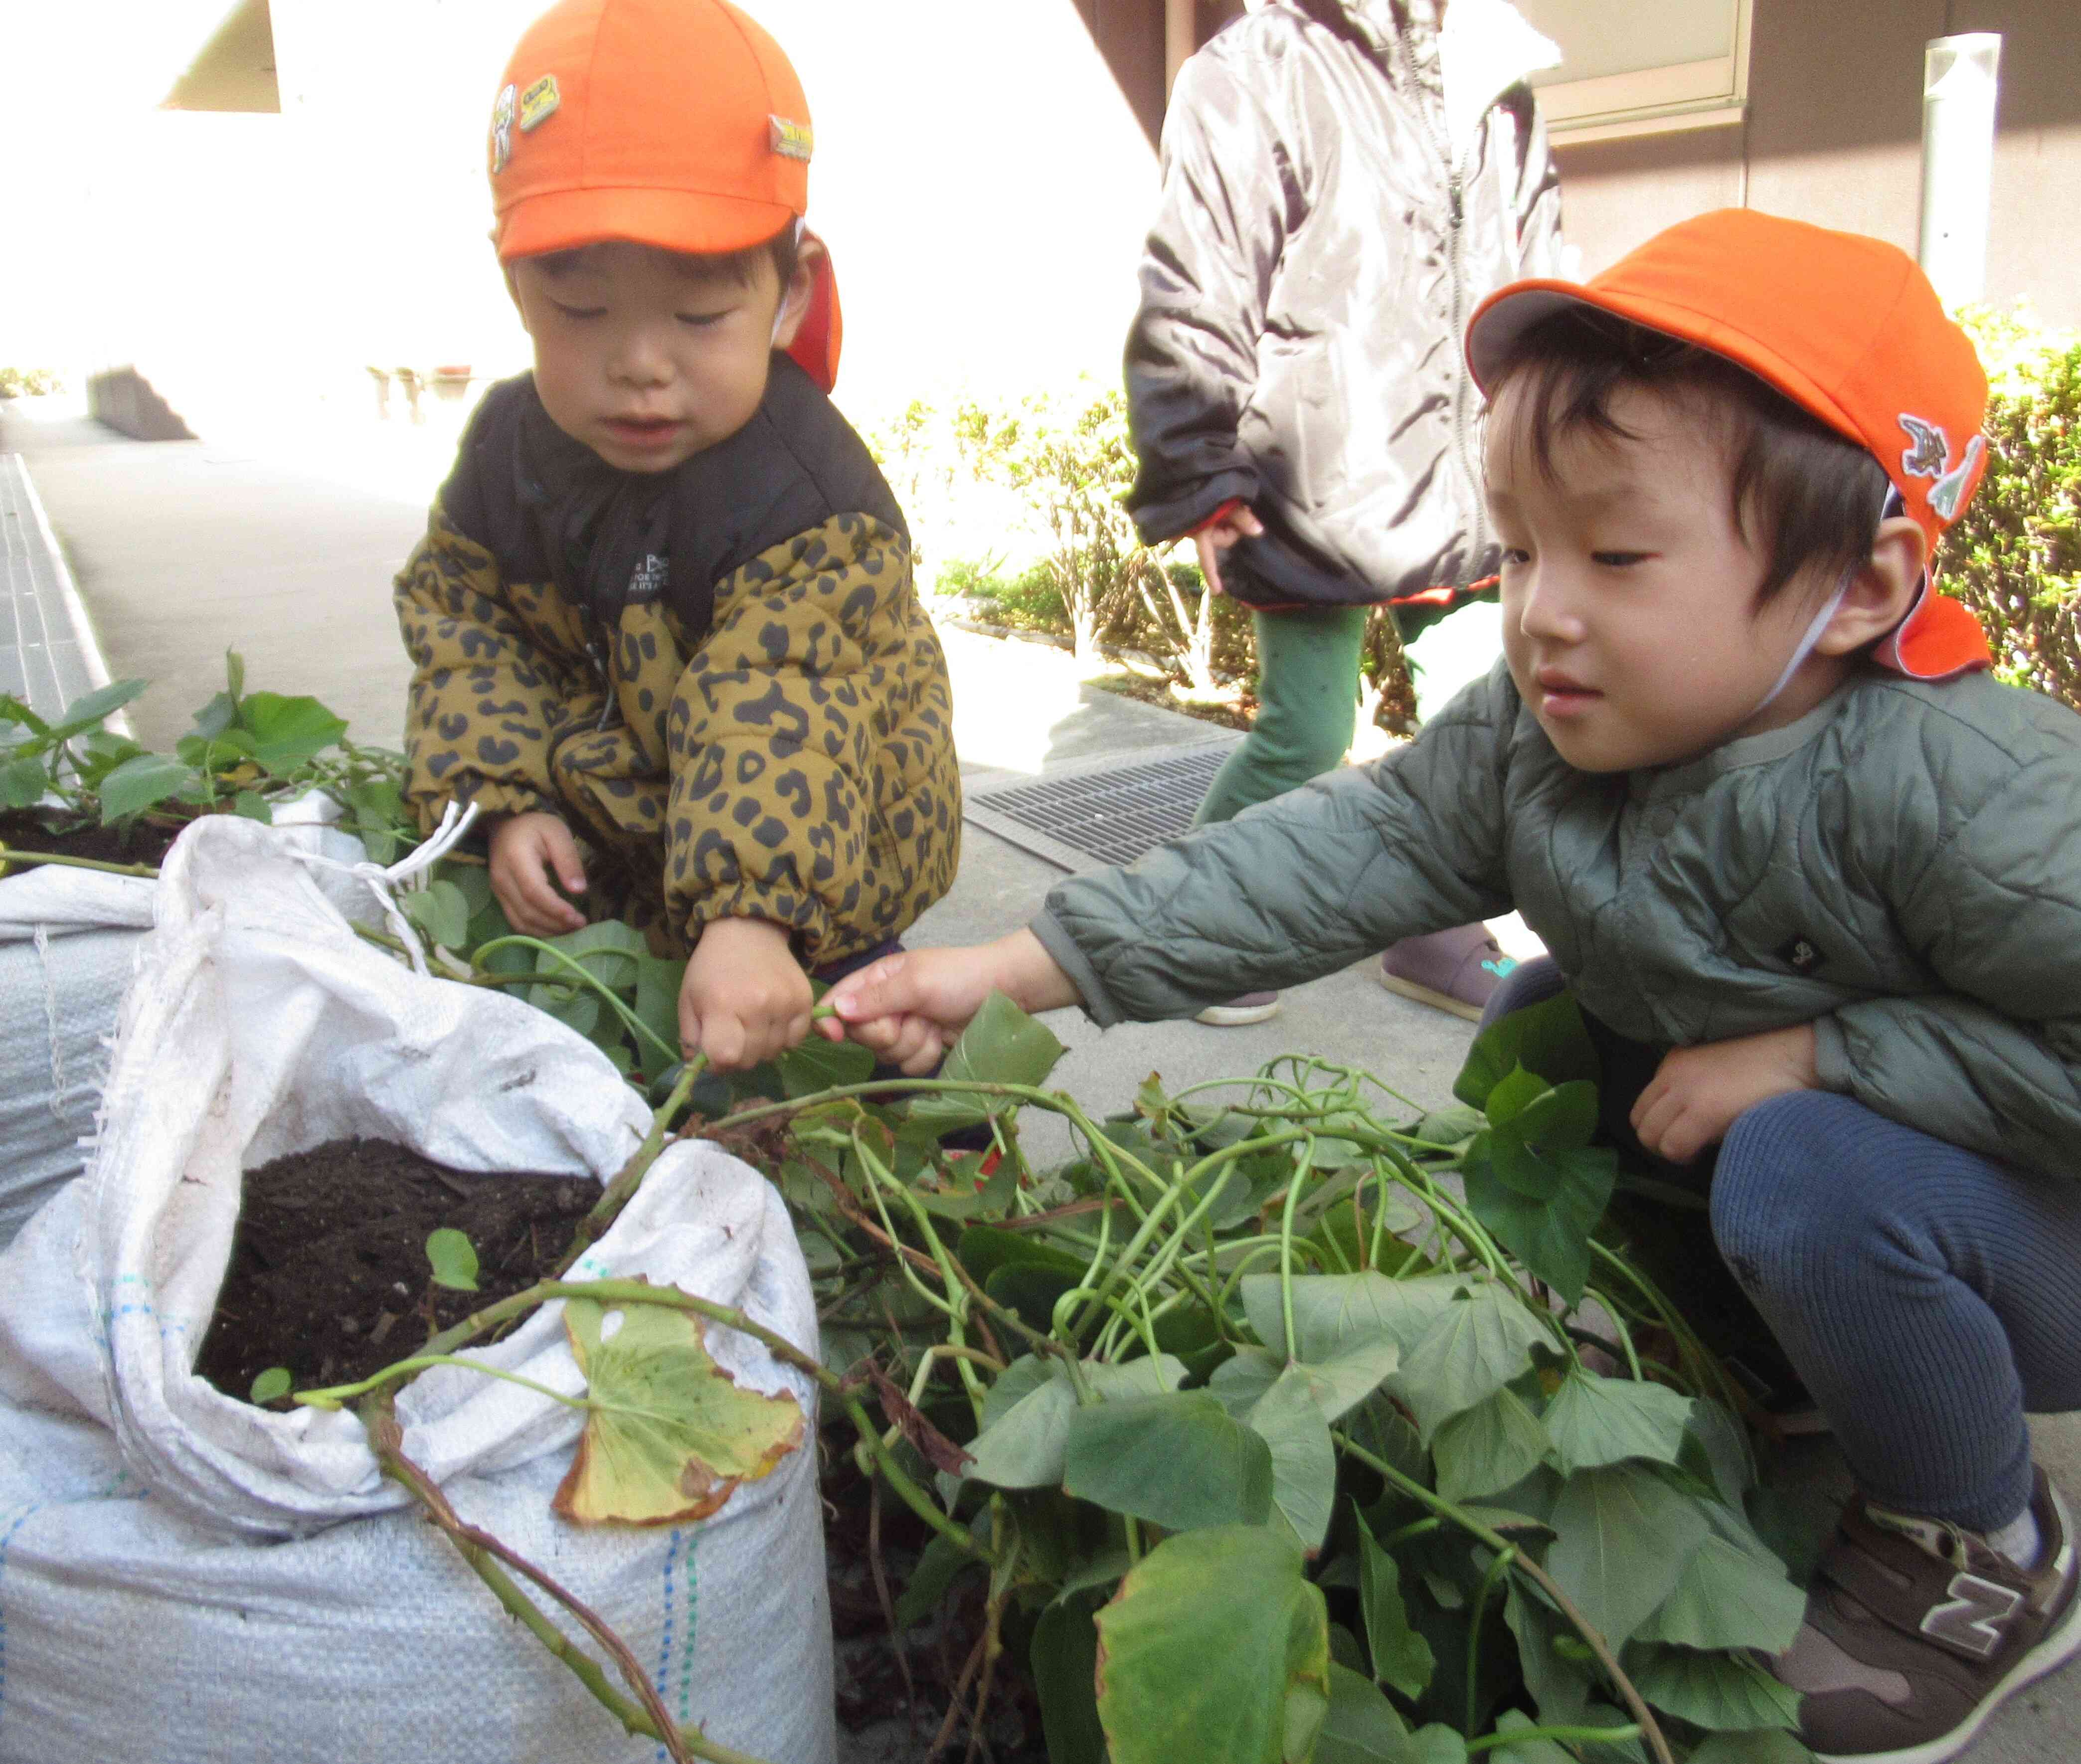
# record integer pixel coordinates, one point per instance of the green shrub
(2014, 559)
(19, 382)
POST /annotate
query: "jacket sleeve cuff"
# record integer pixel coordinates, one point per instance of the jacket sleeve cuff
(491, 797)
(1831, 1055)
(1219, 514)
(1160, 519)
(1063, 952)
(802, 917)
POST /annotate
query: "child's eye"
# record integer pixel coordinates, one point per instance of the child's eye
(1514, 555)
(578, 312)
(1619, 560)
(700, 320)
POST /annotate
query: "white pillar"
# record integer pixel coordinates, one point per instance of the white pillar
(1960, 81)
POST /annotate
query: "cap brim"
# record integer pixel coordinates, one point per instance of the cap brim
(671, 219)
(1506, 314)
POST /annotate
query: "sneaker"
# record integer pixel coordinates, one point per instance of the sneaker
(1250, 1008)
(1916, 1631)
(1456, 970)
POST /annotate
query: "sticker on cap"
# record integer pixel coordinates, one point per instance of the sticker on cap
(539, 102)
(791, 141)
(1929, 456)
(501, 130)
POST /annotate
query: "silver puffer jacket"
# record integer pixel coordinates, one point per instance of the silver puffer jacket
(1306, 285)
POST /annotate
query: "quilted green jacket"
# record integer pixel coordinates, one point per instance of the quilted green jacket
(1901, 867)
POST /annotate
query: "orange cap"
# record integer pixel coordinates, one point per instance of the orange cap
(674, 123)
(1847, 327)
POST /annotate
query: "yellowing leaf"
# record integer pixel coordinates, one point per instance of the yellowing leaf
(670, 1436)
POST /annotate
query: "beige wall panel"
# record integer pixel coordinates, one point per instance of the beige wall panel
(1614, 194)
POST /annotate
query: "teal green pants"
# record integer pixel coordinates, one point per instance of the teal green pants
(1307, 708)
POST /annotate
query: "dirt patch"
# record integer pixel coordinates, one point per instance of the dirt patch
(329, 1274)
(1234, 711)
(138, 843)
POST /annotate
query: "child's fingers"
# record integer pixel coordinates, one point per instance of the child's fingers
(918, 1049)
(882, 989)
(559, 851)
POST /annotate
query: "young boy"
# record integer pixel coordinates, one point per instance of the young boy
(1741, 771)
(663, 614)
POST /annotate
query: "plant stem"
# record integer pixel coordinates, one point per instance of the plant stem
(1650, 1730)
(339, 1396)
(485, 1554)
(9, 857)
(1497, 1569)
(622, 1189)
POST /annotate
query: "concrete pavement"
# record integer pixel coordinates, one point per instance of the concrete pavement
(183, 549)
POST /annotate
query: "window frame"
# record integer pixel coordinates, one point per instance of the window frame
(1709, 93)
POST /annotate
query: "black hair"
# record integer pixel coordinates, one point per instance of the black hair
(1805, 496)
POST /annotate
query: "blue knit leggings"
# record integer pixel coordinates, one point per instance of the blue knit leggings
(1927, 1295)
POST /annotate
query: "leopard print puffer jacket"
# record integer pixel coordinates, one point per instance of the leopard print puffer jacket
(727, 688)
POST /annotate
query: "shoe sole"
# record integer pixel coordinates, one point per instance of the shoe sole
(1424, 995)
(1237, 1016)
(2060, 1645)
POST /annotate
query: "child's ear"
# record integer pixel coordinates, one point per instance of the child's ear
(795, 297)
(1881, 589)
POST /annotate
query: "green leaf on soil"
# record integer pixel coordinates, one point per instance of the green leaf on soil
(89, 712)
(1714, 1690)
(1187, 1670)
(939, 1563)
(1593, 1421)
(657, 983)
(1453, 1126)
(1304, 1461)
(1559, 1685)
(1361, 1727)
(1623, 1538)
(287, 733)
(1475, 1345)
(1516, 1088)
(253, 806)
(1001, 1045)
(1021, 1443)
(669, 1436)
(1177, 1460)
(1334, 1313)
(1337, 1385)
(1064, 1655)
(1769, 1746)
(453, 1258)
(1402, 1659)
(1491, 1446)
(439, 910)
(22, 783)
(1728, 1597)
(272, 1384)
(815, 1064)
(142, 783)
(1549, 1040)
(1540, 1204)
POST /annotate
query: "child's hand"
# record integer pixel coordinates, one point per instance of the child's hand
(745, 997)
(909, 1007)
(530, 854)
(1700, 1092)
(1217, 535)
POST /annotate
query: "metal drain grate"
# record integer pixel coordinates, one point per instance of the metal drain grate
(1095, 815)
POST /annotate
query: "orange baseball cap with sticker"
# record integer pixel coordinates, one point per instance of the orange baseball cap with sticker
(1847, 327)
(678, 123)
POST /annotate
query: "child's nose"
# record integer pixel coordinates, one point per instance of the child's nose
(641, 358)
(1546, 609)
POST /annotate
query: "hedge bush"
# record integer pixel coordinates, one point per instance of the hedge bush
(2015, 557)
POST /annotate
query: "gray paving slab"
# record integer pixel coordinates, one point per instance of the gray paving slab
(178, 553)
(42, 661)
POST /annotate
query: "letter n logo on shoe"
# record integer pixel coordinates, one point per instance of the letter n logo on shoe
(1973, 1617)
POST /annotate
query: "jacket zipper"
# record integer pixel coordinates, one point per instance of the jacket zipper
(1456, 210)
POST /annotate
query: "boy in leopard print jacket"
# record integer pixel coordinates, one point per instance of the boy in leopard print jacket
(663, 622)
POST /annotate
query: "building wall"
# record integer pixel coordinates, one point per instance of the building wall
(1834, 132)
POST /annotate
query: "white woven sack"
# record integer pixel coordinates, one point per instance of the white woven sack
(68, 942)
(185, 1577)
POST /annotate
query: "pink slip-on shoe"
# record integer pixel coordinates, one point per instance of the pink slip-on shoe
(1455, 971)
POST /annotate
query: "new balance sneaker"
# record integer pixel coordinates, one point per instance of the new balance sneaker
(1456, 970)
(1917, 1631)
(1250, 1008)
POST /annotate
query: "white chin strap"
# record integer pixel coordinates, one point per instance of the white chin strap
(781, 313)
(1893, 505)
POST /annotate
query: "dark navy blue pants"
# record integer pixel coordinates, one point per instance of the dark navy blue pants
(1927, 1296)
